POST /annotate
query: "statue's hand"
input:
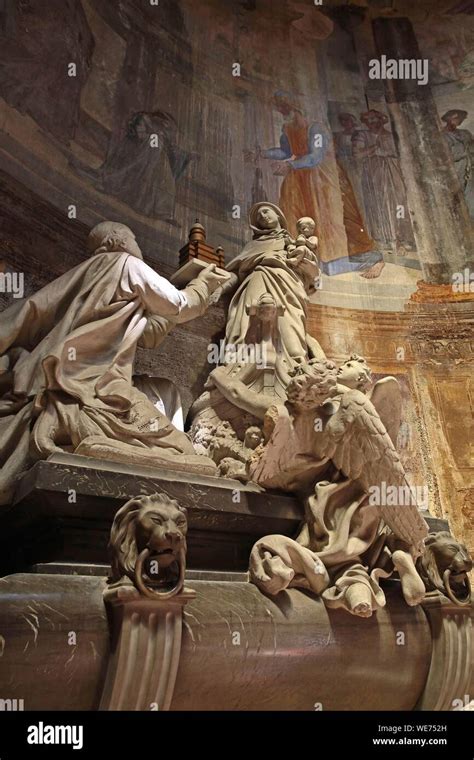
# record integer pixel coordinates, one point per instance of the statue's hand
(227, 287)
(216, 373)
(213, 278)
(305, 264)
(209, 384)
(297, 255)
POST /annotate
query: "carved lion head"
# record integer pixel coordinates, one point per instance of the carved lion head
(154, 523)
(444, 566)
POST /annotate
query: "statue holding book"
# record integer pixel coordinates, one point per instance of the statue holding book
(66, 362)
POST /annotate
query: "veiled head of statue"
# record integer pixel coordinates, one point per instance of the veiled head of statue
(112, 237)
(266, 217)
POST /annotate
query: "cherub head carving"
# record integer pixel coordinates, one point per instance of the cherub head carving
(306, 226)
(311, 384)
(148, 529)
(354, 373)
(253, 437)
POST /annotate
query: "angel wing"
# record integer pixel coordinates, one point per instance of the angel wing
(361, 448)
(386, 396)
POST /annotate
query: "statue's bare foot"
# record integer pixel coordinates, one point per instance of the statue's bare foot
(363, 610)
(359, 600)
(374, 271)
(412, 586)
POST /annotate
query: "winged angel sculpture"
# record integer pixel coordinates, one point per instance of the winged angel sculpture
(362, 522)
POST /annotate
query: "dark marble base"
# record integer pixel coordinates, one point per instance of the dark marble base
(64, 509)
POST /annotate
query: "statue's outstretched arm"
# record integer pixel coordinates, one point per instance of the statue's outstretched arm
(237, 392)
(156, 330)
(227, 288)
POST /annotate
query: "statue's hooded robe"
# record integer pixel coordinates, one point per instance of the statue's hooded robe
(262, 268)
(66, 357)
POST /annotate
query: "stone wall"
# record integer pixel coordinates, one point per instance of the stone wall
(429, 348)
